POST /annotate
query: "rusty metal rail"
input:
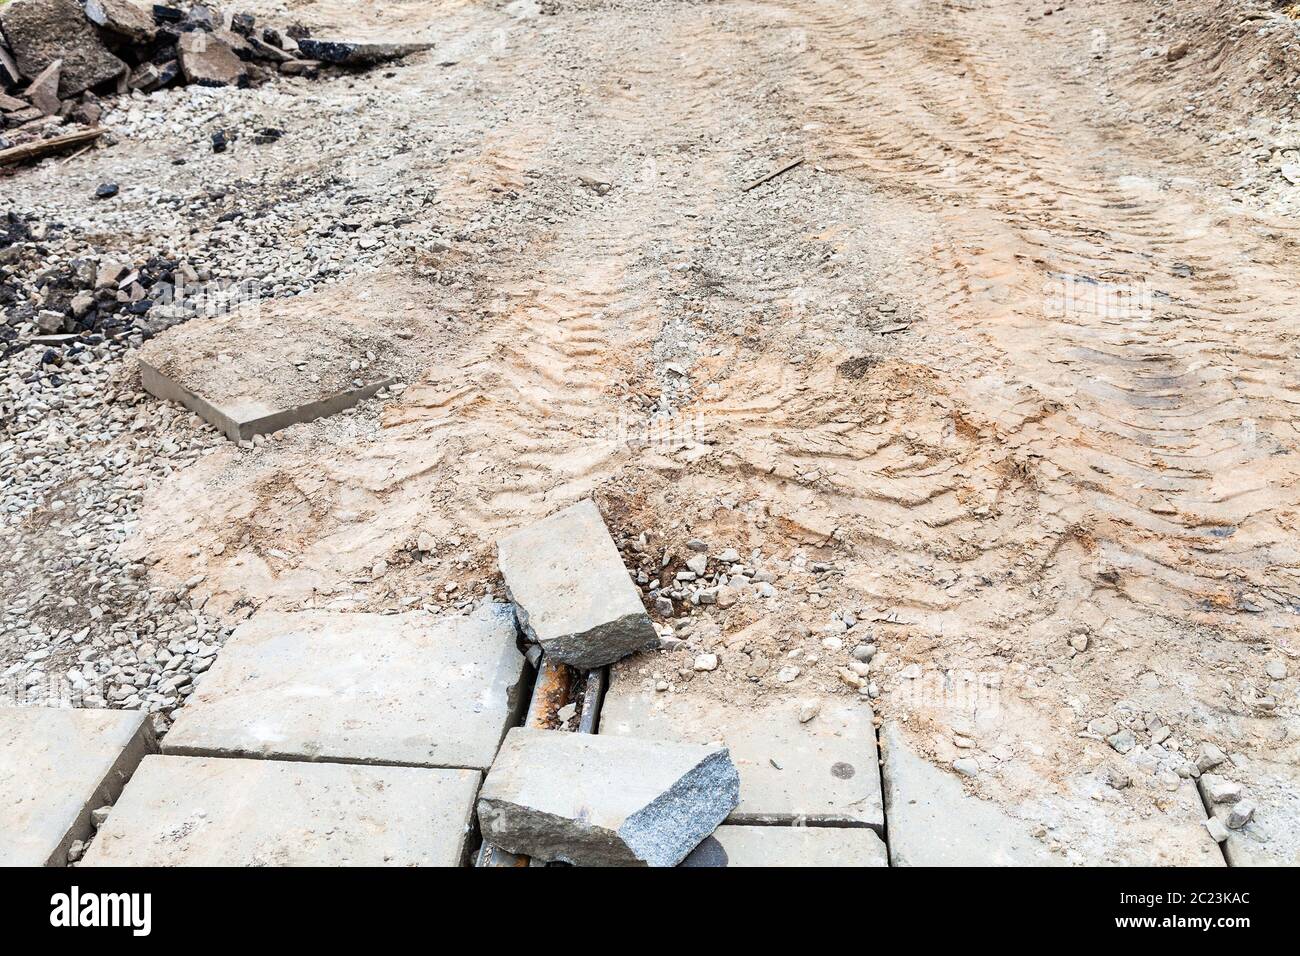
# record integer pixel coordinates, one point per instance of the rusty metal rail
(553, 688)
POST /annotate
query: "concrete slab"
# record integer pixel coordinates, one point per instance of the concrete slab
(200, 811)
(251, 366)
(824, 771)
(1272, 836)
(410, 689)
(604, 801)
(790, 846)
(240, 417)
(934, 822)
(56, 766)
(571, 592)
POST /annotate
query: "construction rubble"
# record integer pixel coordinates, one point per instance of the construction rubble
(61, 59)
(649, 433)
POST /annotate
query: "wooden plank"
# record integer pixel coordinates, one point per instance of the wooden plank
(44, 147)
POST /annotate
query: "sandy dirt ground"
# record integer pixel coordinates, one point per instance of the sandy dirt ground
(1004, 371)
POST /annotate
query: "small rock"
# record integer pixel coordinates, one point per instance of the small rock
(99, 815)
(1122, 742)
(1116, 778)
(1218, 832)
(864, 652)
(106, 191)
(1276, 669)
(76, 851)
(966, 766)
(787, 674)
(1241, 813)
(808, 710)
(1103, 726)
(1220, 790)
(1209, 757)
(706, 662)
(1177, 51)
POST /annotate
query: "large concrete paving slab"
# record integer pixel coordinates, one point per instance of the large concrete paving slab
(604, 801)
(1071, 818)
(781, 846)
(410, 689)
(203, 811)
(56, 766)
(571, 591)
(823, 771)
(934, 822)
(250, 366)
(1272, 836)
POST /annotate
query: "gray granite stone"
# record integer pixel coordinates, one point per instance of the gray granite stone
(604, 801)
(571, 592)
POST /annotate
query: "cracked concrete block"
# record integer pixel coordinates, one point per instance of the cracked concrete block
(240, 417)
(822, 771)
(571, 592)
(255, 365)
(604, 801)
(56, 767)
(415, 689)
(749, 846)
(200, 811)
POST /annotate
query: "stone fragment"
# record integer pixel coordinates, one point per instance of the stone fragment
(414, 689)
(1219, 790)
(748, 846)
(1209, 757)
(44, 90)
(42, 31)
(208, 60)
(308, 68)
(1122, 742)
(706, 662)
(1240, 814)
(604, 801)
(56, 767)
(199, 811)
(122, 18)
(1218, 832)
(571, 592)
(352, 53)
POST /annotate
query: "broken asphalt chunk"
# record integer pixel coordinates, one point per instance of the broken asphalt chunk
(605, 801)
(42, 31)
(571, 592)
(349, 53)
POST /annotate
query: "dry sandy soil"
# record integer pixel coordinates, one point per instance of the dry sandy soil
(1006, 368)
